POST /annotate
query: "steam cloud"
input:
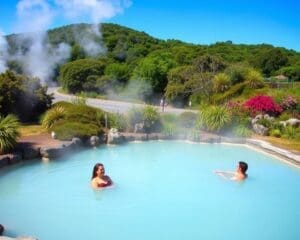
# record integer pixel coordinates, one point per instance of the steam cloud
(36, 16)
(3, 53)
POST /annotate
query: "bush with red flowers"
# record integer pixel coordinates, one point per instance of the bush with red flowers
(263, 104)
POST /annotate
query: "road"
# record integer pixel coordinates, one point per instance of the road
(110, 105)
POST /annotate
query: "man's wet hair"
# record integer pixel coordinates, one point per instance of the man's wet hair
(243, 166)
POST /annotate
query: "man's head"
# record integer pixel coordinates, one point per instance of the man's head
(243, 167)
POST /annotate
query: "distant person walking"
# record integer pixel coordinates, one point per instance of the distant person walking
(162, 104)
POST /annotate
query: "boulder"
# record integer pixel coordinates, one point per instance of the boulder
(294, 122)
(31, 153)
(14, 158)
(52, 152)
(76, 142)
(94, 141)
(114, 137)
(260, 129)
(4, 159)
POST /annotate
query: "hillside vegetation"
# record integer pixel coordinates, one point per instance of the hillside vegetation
(136, 65)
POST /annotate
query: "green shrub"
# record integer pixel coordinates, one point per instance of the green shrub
(66, 130)
(242, 131)
(187, 119)
(275, 133)
(168, 124)
(214, 118)
(53, 115)
(79, 101)
(291, 133)
(151, 118)
(118, 121)
(134, 116)
(8, 132)
(265, 122)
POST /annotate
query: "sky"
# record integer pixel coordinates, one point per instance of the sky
(275, 22)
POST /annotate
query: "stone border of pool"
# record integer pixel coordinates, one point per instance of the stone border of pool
(24, 152)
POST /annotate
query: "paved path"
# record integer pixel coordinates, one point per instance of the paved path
(110, 105)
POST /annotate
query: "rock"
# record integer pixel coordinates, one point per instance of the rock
(114, 137)
(139, 128)
(294, 122)
(52, 152)
(76, 142)
(4, 159)
(31, 153)
(94, 141)
(153, 136)
(283, 123)
(260, 129)
(141, 137)
(14, 158)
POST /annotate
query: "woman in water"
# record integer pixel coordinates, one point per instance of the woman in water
(99, 179)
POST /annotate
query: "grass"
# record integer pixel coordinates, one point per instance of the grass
(291, 145)
(29, 130)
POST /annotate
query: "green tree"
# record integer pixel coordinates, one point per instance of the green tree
(154, 69)
(74, 75)
(23, 96)
(118, 71)
(209, 63)
(270, 60)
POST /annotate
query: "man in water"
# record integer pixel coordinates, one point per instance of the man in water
(238, 175)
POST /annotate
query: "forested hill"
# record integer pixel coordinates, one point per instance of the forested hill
(174, 68)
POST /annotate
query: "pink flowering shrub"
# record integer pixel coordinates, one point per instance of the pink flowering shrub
(289, 103)
(263, 104)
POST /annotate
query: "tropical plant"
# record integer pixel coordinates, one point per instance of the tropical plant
(214, 118)
(53, 115)
(8, 132)
(254, 79)
(221, 83)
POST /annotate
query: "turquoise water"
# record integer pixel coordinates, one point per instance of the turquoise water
(163, 190)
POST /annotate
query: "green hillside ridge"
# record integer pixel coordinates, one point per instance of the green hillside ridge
(180, 71)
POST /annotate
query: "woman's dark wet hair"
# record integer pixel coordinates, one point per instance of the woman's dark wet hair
(243, 166)
(97, 165)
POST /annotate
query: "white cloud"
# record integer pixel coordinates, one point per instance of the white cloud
(95, 10)
(34, 15)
